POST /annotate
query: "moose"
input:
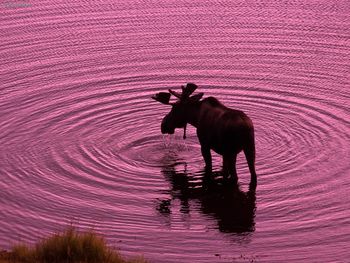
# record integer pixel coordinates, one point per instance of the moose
(219, 128)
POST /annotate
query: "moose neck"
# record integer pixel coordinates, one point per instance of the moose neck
(193, 113)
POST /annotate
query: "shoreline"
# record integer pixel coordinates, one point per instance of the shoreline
(68, 246)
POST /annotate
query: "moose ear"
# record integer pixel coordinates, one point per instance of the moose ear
(196, 97)
(162, 97)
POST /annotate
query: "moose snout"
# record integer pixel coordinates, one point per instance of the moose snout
(165, 127)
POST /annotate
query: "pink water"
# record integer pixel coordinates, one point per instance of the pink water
(80, 136)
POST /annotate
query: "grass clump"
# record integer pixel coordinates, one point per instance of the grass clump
(70, 246)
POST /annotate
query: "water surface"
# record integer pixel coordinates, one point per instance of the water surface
(81, 143)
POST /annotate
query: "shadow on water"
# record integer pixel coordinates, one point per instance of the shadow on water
(232, 209)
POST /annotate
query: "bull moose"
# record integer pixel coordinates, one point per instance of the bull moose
(224, 130)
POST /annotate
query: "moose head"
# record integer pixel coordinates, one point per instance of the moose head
(182, 110)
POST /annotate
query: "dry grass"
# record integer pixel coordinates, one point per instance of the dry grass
(70, 246)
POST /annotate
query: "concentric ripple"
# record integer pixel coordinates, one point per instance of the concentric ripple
(81, 142)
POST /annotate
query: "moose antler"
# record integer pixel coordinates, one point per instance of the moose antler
(186, 91)
(176, 94)
(162, 97)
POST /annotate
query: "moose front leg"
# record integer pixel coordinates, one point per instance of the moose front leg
(207, 158)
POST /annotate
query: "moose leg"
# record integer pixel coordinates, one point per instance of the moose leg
(229, 167)
(250, 156)
(207, 158)
(233, 169)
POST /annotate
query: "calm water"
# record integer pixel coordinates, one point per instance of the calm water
(81, 143)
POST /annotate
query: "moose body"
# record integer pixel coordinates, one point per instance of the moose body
(223, 130)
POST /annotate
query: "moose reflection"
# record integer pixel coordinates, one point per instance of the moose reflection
(224, 130)
(232, 209)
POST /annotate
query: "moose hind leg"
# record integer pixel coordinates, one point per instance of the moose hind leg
(250, 156)
(229, 167)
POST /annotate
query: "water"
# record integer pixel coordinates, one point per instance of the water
(80, 136)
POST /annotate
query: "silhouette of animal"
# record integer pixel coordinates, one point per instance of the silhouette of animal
(219, 128)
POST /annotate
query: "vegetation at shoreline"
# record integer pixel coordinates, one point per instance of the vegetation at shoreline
(70, 246)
